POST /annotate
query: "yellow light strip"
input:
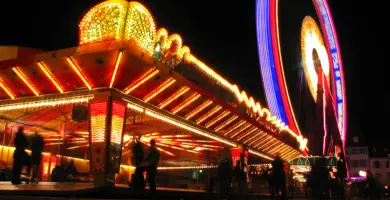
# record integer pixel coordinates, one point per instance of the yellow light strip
(51, 77)
(6, 89)
(262, 141)
(234, 127)
(186, 102)
(158, 148)
(225, 123)
(21, 75)
(241, 130)
(241, 95)
(271, 146)
(260, 154)
(250, 131)
(174, 96)
(77, 147)
(258, 135)
(198, 109)
(209, 114)
(178, 148)
(274, 150)
(180, 124)
(79, 73)
(141, 80)
(118, 61)
(46, 103)
(217, 118)
(262, 135)
(269, 141)
(159, 89)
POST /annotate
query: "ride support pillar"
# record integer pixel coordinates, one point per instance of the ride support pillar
(107, 116)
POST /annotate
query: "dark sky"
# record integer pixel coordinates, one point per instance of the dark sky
(224, 35)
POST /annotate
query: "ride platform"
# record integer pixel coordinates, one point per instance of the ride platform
(88, 190)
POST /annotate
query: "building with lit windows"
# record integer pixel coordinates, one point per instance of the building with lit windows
(357, 156)
(362, 157)
(129, 81)
(379, 164)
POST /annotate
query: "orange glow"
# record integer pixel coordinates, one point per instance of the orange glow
(175, 43)
(6, 89)
(209, 114)
(178, 148)
(259, 154)
(241, 95)
(140, 27)
(141, 80)
(51, 77)
(21, 75)
(225, 123)
(98, 113)
(234, 127)
(180, 124)
(118, 61)
(250, 131)
(186, 102)
(174, 96)
(217, 118)
(105, 21)
(198, 109)
(79, 73)
(240, 130)
(159, 89)
(117, 122)
(162, 150)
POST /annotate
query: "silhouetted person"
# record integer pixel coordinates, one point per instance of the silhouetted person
(213, 177)
(150, 166)
(240, 177)
(137, 180)
(37, 145)
(225, 177)
(138, 153)
(372, 186)
(71, 171)
(278, 177)
(319, 180)
(20, 156)
(340, 176)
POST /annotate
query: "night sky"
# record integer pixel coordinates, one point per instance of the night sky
(224, 36)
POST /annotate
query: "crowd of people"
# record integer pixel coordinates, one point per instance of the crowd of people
(319, 182)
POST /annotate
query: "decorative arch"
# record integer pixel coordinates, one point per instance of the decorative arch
(140, 26)
(105, 21)
(117, 20)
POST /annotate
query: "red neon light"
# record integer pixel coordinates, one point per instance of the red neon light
(118, 118)
(7, 89)
(98, 113)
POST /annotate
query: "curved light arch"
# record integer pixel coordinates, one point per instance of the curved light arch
(271, 64)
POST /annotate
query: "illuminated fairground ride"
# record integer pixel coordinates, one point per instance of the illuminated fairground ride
(128, 82)
(288, 36)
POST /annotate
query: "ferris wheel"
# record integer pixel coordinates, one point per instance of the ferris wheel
(302, 70)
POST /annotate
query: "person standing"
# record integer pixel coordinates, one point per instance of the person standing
(20, 156)
(278, 177)
(37, 146)
(240, 178)
(225, 178)
(150, 166)
(137, 181)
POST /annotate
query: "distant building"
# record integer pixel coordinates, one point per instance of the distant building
(379, 164)
(357, 157)
(361, 157)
